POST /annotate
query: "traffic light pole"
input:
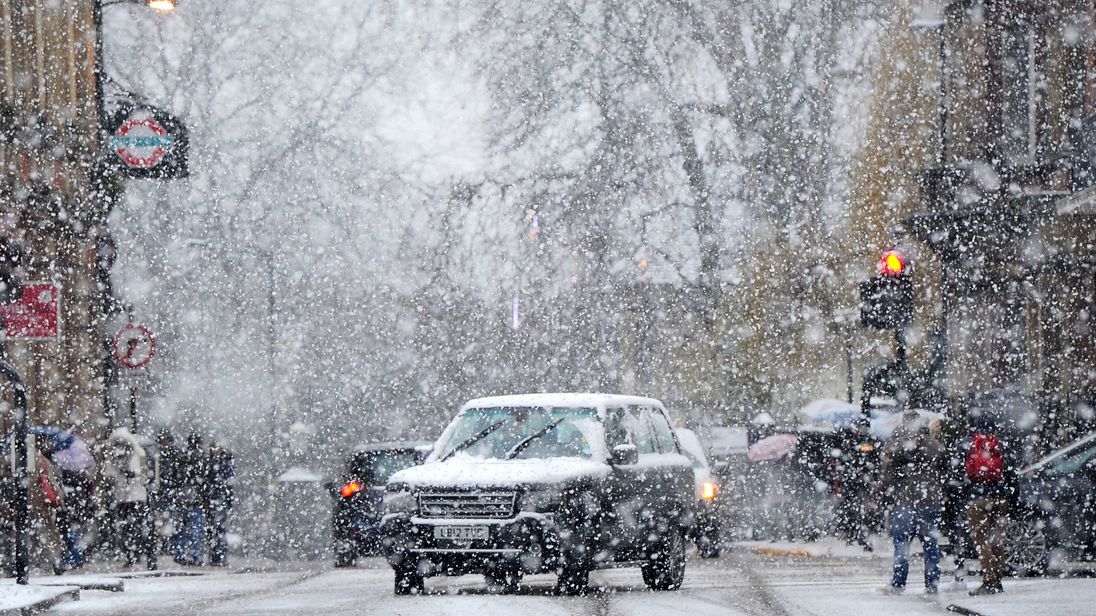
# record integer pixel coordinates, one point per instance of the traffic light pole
(19, 473)
(900, 352)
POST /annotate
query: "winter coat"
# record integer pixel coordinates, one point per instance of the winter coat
(45, 497)
(222, 477)
(914, 468)
(127, 467)
(193, 478)
(167, 475)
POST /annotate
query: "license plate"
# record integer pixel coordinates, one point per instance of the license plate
(461, 533)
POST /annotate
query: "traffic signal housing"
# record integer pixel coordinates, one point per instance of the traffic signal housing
(886, 299)
(11, 284)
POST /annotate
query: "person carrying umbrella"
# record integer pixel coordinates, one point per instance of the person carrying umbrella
(912, 476)
(74, 465)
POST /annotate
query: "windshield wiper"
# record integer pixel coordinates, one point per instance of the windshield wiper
(516, 449)
(471, 440)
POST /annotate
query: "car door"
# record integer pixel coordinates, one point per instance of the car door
(676, 487)
(630, 486)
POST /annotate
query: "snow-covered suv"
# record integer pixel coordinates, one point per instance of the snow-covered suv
(542, 483)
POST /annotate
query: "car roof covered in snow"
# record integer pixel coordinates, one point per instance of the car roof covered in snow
(565, 400)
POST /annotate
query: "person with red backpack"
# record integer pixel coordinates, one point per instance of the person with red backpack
(991, 481)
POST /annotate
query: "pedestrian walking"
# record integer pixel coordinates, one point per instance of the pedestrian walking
(126, 469)
(853, 476)
(76, 513)
(194, 479)
(166, 477)
(219, 501)
(45, 498)
(953, 525)
(912, 477)
(73, 465)
(991, 484)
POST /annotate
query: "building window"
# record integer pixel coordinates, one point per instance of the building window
(1018, 89)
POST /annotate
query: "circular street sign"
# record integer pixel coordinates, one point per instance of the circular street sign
(141, 143)
(134, 346)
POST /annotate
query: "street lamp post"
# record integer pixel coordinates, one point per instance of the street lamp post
(100, 181)
(932, 16)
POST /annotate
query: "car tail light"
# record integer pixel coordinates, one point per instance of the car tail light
(351, 489)
(708, 490)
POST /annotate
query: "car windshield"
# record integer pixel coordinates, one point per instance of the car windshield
(1069, 458)
(522, 432)
(1072, 461)
(376, 467)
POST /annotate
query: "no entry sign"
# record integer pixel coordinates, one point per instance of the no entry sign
(134, 346)
(37, 313)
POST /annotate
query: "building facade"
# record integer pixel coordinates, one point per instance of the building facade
(51, 201)
(1006, 210)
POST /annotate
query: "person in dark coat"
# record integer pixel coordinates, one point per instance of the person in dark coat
(913, 478)
(166, 478)
(219, 500)
(191, 499)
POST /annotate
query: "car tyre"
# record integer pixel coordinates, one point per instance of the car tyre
(344, 557)
(1026, 550)
(408, 581)
(667, 570)
(708, 546)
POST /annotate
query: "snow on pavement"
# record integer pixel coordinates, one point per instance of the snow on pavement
(833, 581)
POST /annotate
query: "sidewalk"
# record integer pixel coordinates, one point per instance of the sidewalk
(16, 600)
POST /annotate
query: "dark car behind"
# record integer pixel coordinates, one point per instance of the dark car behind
(359, 492)
(1054, 522)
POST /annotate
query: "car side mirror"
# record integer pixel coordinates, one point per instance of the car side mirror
(624, 455)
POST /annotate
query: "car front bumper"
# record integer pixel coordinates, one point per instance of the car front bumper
(528, 541)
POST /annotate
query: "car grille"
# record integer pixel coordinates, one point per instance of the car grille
(466, 504)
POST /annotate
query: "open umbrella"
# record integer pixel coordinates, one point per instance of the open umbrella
(828, 414)
(66, 450)
(772, 447)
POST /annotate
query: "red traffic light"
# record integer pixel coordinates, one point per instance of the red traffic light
(892, 263)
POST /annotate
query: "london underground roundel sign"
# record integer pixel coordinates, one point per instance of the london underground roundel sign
(142, 142)
(145, 142)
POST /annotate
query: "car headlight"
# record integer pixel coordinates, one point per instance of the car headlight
(399, 498)
(544, 499)
(708, 491)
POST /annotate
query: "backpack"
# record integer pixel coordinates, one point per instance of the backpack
(985, 462)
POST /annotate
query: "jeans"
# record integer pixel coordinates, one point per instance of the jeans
(906, 524)
(190, 539)
(73, 556)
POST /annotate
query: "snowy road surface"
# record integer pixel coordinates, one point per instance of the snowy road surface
(833, 580)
